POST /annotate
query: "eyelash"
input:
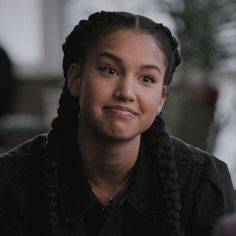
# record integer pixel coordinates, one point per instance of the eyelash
(151, 79)
(108, 70)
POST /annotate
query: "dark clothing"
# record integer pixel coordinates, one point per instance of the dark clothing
(205, 190)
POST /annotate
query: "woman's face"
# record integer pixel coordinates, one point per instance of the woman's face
(120, 87)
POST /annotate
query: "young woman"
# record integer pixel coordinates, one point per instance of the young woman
(107, 166)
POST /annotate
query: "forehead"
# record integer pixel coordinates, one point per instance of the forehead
(130, 44)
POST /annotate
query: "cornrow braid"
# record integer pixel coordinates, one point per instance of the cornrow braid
(174, 59)
(63, 133)
(88, 32)
(160, 147)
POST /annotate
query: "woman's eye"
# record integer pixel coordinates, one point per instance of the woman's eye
(147, 79)
(108, 70)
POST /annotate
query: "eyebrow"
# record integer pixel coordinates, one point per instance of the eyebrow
(110, 56)
(119, 61)
(153, 67)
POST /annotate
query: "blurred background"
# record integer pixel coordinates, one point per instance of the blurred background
(201, 107)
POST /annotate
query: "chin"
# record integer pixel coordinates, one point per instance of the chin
(122, 137)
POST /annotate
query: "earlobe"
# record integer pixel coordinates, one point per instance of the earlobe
(163, 98)
(164, 92)
(74, 79)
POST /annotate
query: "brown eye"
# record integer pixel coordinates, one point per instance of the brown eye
(111, 71)
(108, 70)
(147, 79)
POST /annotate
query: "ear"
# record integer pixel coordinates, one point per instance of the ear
(74, 79)
(163, 98)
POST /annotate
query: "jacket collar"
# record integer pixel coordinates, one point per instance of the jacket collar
(77, 198)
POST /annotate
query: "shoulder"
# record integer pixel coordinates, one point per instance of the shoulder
(22, 187)
(209, 176)
(24, 150)
(202, 166)
(184, 152)
(17, 164)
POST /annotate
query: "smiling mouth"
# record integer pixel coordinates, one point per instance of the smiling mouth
(121, 111)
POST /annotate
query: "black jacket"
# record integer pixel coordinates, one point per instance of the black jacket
(205, 189)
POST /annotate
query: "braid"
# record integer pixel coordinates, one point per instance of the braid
(159, 143)
(170, 47)
(63, 132)
(87, 32)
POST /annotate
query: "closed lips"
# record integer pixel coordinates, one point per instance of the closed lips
(121, 108)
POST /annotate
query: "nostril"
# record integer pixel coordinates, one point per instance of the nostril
(118, 94)
(125, 89)
(124, 95)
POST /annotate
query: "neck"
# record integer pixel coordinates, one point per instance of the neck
(107, 163)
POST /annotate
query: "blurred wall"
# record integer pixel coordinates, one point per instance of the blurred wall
(29, 31)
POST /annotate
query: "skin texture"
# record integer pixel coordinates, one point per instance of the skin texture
(133, 69)
(120, 89)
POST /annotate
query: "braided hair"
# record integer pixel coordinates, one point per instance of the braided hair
(64, 126)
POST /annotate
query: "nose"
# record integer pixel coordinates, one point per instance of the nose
(125, 89)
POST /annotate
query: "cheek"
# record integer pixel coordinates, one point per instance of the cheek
(153, 108)
(152, 102)
(149, 111)
(93, 93)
